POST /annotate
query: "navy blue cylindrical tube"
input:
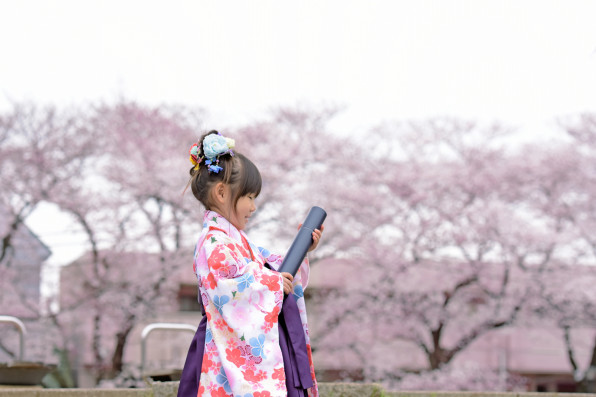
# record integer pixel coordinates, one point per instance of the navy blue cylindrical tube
(295, 255)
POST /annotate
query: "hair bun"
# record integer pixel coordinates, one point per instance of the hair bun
(209, 149)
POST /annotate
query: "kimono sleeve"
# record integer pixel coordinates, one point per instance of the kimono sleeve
(238, 289)
(275, 261)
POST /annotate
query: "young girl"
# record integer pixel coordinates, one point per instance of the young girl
(251, 341)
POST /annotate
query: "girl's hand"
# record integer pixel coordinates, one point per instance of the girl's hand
(288, 287)
(316, 237)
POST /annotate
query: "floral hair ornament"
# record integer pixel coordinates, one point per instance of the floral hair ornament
(214, 145)
(195, 155)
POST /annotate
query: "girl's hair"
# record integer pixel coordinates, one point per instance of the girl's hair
(238, 172)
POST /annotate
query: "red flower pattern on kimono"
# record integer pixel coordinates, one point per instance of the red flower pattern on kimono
(271, 318)
(279, 373)
(217, 259)
(251, 376)
(210, 283)
(235, 356)
(220, 393)
(271, 281)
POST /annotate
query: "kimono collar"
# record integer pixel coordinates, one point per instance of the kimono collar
(212, 219)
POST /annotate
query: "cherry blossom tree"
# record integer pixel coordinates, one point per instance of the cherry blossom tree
(452, 247)
(130, 207)
(302, 164)
(41, 150)
(568, 197)
(441, 230)
(118, 172)
(445, 226)
(568, 304)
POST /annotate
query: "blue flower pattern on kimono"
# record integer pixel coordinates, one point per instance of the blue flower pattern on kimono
(257, 346)
(298, 291)
(222, 379)
(246, 395)
(219, 301)
(208, 335)
(264, 252)
(245, 281)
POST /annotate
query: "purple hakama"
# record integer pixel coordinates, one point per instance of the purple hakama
(292, 344)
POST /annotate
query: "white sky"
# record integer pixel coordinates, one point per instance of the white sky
(521, 62)
(524, 63)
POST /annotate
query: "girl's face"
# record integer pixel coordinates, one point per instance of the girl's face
(244, 209)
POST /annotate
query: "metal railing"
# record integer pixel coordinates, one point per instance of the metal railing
(22, 332)
(164, 327)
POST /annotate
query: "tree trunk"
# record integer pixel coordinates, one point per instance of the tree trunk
(117, 357)
(588, 383)
(99, 365)
(436, 357)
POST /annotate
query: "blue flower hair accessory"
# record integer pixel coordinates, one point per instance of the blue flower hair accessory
(214, 146)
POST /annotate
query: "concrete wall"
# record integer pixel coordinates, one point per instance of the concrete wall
(169, 389)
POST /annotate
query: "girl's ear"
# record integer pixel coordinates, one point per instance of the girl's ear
(220, 193)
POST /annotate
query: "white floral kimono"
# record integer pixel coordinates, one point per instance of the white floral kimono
(242, 301)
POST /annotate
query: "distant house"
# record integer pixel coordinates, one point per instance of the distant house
(20, 282)
(537, 353)
(166, 350)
